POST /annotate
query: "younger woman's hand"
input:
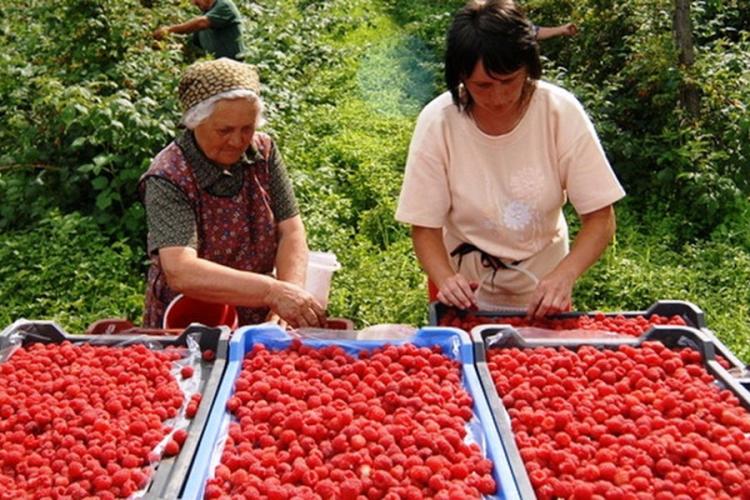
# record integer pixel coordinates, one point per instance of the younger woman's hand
(553, 295)
(457, 291)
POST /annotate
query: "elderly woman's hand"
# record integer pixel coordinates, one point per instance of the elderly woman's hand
(295, 305)
(274, 318)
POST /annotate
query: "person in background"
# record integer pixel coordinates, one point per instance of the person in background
(218, 31)
(491, 164)
(221, 214)
(546, 32)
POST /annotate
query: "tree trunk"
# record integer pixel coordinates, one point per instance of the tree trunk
(689, 92)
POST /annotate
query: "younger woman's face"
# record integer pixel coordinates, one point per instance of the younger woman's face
(495, 92)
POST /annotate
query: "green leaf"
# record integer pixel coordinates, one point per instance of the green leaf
(100, 183)
(104, 200)
(102, 160)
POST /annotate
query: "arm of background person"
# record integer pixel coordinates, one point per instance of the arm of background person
(545, 32)
(191, 26)
(200, 278)
(554, 292)
(292, 254)
(433, 256)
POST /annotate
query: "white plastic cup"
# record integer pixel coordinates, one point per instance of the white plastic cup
(320, 269)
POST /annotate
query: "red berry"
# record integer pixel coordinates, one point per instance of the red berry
(172, 448)
(180, 435)
(187, 371)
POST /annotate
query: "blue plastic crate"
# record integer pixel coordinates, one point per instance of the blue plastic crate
(455, 344)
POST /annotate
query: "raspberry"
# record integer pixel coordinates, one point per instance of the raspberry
(358, 441)
(180, 435)
(436, 482)
(486, 485)
(420, 473)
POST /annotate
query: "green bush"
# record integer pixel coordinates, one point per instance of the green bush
(65, 270)
(644, 266)
(623, 66)
(87, 101)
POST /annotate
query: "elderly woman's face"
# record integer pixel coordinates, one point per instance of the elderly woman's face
(227, 133)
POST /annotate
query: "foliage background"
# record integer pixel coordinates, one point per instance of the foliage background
(87, 98)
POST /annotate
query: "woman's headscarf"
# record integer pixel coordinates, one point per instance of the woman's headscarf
(206, 79)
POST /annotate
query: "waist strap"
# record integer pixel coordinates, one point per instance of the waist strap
(487, 260)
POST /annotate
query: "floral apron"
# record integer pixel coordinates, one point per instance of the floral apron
(237, 231)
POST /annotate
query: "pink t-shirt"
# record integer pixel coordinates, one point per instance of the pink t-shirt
(504, 194)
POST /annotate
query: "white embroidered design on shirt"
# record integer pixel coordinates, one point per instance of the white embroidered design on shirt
(527, 183)
(517, 215)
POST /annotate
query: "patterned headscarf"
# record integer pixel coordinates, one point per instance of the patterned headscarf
(205, 79)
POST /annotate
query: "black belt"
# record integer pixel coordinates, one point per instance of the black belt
(487, 260)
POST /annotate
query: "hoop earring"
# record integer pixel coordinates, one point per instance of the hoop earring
(463, 94)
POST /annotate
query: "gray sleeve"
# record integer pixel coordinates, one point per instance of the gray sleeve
(170, 218)
(283, 202)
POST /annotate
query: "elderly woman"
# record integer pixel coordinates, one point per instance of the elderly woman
(491, 164)
(221, 214)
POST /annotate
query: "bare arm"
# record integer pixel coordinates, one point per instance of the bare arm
(553, 294)
(433, 256)
(292, 254)
(568, 29)
(291, 257)
(200, 278)
(195, 24)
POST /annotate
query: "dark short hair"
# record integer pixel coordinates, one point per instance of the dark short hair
(496, 32)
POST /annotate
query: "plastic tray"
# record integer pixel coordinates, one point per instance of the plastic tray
(692, 314)
(339, 324)
(448, 338)
(505, 336)
(724, 351)
(171, 471)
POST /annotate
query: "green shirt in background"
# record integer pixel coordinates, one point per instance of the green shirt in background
(224, 37)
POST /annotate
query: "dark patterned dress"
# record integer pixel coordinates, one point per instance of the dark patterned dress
(237, 231)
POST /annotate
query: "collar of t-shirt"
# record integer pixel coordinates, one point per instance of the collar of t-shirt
(211, 177)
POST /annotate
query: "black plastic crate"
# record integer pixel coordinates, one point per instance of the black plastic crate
(738, 365)
(487, 337)
(692, 314)
(170, 471)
